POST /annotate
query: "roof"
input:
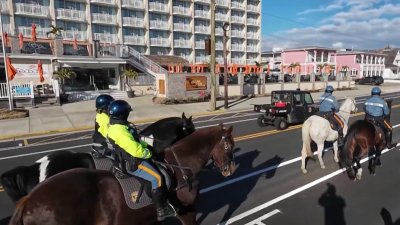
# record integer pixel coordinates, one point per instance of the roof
(308, 48)
(390, 56)
(165, 60)
(360, 52)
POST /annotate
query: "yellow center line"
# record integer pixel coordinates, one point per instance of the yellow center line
(26, 142)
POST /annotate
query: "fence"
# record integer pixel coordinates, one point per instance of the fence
(18, 90)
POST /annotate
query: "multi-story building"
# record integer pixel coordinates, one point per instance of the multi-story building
(361, 64)
(156, 27)
(273, 59)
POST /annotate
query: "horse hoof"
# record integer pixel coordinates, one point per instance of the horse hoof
(323, 167)
(304, 171)
(337, 160)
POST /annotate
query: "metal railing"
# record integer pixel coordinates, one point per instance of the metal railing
(252, 8)
(133, 21)
(222, 17)
(133, 3)
(159, 24)
(4, 6)
(202, 13)
(18, 90)
(238, 5)
(182, 27)
(238, 61)
(71, 14)
(136, 58)
(199, 45)
(104, 18)
(222, 3)
(251, 21)
(236, 33)
(31, 9)
(158, 6)
(111, 2)
(182, 43)
(107, 38)
(237, 19)
(134, 40)
(164, 42)
(181, 10)
(27, 31)
(252, 35)
(71, 34)
(202, 29)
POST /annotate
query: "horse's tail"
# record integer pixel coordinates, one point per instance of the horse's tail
(11, 183)
(305, 131)
(344, 155)
(17, 217)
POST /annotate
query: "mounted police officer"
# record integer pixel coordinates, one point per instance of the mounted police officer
(328, 108)
(136, 155)
(99, 146)
(376, 109)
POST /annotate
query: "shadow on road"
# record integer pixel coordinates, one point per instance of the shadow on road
(333, 205)
(387, 217)
(5, 221)
(237, 193)
(235, 102)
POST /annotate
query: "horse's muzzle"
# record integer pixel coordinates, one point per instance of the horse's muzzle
(228, 169)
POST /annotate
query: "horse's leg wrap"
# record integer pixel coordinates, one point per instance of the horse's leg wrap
(164, 208)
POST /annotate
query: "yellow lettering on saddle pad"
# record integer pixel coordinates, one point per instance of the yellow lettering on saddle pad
(134, 196)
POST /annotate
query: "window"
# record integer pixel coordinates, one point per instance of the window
(308, 99)
(296, 99)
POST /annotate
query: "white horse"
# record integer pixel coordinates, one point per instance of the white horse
(319, 130)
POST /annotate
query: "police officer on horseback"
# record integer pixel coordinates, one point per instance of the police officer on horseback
(99, 146)
(328, 106)
(136, 155)
(376, 109)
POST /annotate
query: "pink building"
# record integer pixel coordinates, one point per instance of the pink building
(309, 60)
(360, 64)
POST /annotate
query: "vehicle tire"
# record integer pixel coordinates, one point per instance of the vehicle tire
(280, 123)
(374, 83)
(261, 121)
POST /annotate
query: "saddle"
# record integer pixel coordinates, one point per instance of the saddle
(330, 119)
(378, 126)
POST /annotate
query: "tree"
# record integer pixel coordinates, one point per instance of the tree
(297, 67)
(62, 74)
(129, 73)
(56, 31)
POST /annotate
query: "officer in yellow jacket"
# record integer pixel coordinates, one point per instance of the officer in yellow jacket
(136, 155)
(102, 121)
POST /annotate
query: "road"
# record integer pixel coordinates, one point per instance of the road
(268, 186)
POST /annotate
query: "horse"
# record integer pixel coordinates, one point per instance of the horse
(19, 181)
(363, 138)
(94, 197)
(319, 130)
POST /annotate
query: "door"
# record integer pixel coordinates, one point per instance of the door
(310, 108)
(298, 108)
(161, 87)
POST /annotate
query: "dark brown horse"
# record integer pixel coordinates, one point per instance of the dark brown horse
(362, 139)
(89, 197)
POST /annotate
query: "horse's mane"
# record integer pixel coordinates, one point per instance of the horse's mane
(150, 129)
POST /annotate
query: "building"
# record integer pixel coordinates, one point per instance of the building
(360, 64)
(273, 59)
(392, 63)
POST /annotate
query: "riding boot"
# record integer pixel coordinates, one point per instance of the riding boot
(389, 143)
(164, 208)
(340, 137)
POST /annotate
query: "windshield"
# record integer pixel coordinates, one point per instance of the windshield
(284, 97)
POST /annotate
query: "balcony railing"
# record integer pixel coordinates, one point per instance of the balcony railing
(182, 27)
(137, 4)
(251, 61)
(237, 33)
(237, 47)
(31, 9)
(158, 6)
(219, 60)
(202, 14)
(219, 46)
(252, 35)
(204, 1)
(104, 18)
(181, 10)
(222, 17)
(164, 42)
(4, 7)
(252, 8)
(251, 48)
(238, 5)
(133, 21)
(158, 24)
(72, 34)
(199, 45)
(238, 61)
(219, 31)
(202, 29)
(134, 40)
(201, 59)
(71, 14)
(253, 22)
(237, 19)
(108, 2)
(223, 3)
(106, 38)
(27, 31)
(182, 43)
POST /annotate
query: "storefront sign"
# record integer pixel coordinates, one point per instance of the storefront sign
(30, 70)
(196, 83)
(22, 90)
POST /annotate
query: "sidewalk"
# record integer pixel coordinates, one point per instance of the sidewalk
(80, 115)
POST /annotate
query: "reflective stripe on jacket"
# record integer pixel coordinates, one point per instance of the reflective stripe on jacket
(102, 121)
(376, 106)
(328, 103)
(120, 137)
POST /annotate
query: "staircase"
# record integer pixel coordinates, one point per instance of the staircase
(118, 94)
(141, 62)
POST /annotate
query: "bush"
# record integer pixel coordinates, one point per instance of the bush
(17, 113)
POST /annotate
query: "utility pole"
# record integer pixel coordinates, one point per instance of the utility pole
(9, 92)
(213, 101)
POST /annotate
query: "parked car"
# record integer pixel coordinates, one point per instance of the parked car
(373, 80)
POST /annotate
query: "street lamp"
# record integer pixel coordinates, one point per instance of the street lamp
(226, 27)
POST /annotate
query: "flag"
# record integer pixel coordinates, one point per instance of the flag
(34, 32)
(21, 40)
(11, 71)
(75, 44)
(40, 71)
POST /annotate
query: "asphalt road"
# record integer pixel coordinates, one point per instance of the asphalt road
(268, 186)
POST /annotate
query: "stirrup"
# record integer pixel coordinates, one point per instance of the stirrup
(165, 212)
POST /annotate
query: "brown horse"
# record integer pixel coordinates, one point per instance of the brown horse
(89, 197)
(363, 138)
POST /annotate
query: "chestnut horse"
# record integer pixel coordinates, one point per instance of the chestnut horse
(363, 138)
(91, 197)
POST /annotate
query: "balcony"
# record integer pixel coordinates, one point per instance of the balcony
(4, 7)
(238, 61)
(222, 3)
(221, 17)
(251, 60)
(252, 48)
(181, 10)
(32, 10)
(163, 42)
(27, 31)
(203, 1)
(134, 40)
(7, 28)
(183, 27)
(182, 43)
(253, 22)
(201, 59)
(159, 24)
(252, 35)
(219, 46)
(202, 14)
(219, 60)
(106, 38)
(136, 4)
(71, 14)
(104, 18)
(253, 8)
(159, 7)
(237, 34)
(219, 31)
(238, 5)
(105, 2)
(199, 44)
(202, 29)
(237, 47)
(237, 19)
(72, 34)
(133, 22)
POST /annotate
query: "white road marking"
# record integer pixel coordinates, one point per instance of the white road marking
(258, 221)
(291, 193)
(44, 162)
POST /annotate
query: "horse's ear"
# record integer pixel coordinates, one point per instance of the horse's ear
(190, 118)
(183, 116)
(230, 129)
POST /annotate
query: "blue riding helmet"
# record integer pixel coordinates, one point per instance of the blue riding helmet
(376, 91)
(103, 101)
(329, 89)
(119, 109)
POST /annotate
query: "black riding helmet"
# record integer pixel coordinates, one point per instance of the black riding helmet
(103, 101)
(119, 110)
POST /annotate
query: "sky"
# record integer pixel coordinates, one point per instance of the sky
(351, 24)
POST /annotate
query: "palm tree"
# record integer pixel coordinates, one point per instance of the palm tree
(129, 73)
(297, 67)
(291, 66)
(62, 74)
(345, 69)
(56, 31)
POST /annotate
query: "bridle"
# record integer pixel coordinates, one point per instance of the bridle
(228, 150)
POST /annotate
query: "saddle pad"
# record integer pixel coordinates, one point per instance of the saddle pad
(134, 193)
(102, 163)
